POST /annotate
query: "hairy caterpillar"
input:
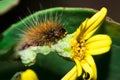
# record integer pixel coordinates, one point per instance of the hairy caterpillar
(42, 32)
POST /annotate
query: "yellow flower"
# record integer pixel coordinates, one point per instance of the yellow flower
(83, 46)
(28, 75)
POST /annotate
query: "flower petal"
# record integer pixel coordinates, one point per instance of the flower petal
(89, 26)
(88, 69)
(29, 75)
(89, 59)
(78, 65)
(98, 44)
(95, 21)
(71, 75)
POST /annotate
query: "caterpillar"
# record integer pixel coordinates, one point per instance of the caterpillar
(42, 32)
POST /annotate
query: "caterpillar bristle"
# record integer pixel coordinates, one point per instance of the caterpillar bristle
(42, 33)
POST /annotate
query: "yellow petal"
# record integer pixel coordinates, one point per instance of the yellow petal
(97, 18)
(89, 59)
(76, 34)
(29, 75)
(89, 34)
(89, 26)
(78, 65)
(95, 21)
(72, 74)
(73, 77)
(98, 44)
(88, 69)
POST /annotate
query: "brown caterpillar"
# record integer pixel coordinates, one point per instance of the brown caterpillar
(43, 33)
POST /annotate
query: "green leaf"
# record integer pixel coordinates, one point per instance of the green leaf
(107, 64)
(6, 5)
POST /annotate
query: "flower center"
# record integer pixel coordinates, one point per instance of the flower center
(79, 50)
